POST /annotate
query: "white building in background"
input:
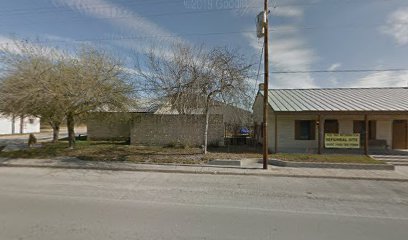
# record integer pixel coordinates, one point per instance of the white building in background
(16, 125)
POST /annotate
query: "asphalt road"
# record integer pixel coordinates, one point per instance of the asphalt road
(80, 204)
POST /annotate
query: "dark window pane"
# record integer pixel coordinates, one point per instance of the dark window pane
(305, 130)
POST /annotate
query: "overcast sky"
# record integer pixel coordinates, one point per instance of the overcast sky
(305, 34)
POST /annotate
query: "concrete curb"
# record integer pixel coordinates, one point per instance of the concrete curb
(282, 163)
(199, 172)
(232, 162)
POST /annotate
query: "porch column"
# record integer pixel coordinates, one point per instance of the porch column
(366, 134)
(319, 134)
(276, 132)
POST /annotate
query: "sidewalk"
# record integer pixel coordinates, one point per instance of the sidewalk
(400, 174)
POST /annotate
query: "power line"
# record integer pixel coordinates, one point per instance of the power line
(257, 75)
(311, 71)
(133, 15)
(120, 38)
(64, 8)
(342, 71)
(336, 71)
(259, 66)
(150, 2)
(130, 14)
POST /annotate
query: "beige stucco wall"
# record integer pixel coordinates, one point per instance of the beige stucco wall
(384, 131)
(286, 135)
(383, 128)
(176, 129)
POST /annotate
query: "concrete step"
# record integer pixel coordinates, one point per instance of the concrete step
(394, 160)
(389, 157)
(398, 163)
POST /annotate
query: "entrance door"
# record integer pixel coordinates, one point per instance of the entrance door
(331, 126)
(399, 134)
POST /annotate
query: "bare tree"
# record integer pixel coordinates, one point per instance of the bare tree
(193, 80)
(61, 86)
(25, 85)
(93, 81)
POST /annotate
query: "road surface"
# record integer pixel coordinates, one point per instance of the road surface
(81, 204)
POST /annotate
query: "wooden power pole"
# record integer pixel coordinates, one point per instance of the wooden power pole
(266, 83)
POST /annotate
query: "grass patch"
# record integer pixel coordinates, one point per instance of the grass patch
(326, 158)
(47, 150)
(112, 151)
(121, 151)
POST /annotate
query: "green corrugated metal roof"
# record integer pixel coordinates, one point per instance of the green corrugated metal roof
(339, 99)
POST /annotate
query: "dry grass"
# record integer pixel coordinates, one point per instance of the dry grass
(112, 151)
(326, 158)
(117, 151)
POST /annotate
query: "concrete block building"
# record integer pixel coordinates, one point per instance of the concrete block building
(151, 124)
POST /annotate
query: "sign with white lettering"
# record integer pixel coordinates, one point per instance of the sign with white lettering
(334, 140)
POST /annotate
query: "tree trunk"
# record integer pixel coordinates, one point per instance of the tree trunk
(71, 130)
(22, 124)
(13, 124)
(55, 132)
(207, 117)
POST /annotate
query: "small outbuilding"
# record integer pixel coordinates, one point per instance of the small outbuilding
(334, 119)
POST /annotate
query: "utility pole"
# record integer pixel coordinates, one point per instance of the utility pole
(266, 82)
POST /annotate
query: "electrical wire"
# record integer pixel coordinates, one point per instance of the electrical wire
(259, 65)
(130, 14)
(150, 2)
(343, 71)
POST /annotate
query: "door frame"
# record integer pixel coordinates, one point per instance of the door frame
(406, 133)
